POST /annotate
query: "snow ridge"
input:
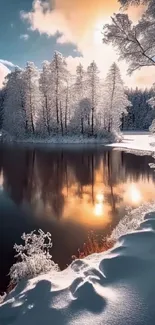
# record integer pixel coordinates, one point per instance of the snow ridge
(116, 287)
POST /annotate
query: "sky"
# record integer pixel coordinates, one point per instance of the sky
(33, 30)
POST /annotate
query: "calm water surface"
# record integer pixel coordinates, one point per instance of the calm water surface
(68, 192)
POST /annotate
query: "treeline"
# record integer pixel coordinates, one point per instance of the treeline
(51, 101)
(141, 113)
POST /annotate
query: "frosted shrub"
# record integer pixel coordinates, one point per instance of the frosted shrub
(34, 256)
(2, 297)
(152, 127)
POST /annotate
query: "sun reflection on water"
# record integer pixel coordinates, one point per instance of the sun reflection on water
(1, 180)
(98, 210)
(135, 194)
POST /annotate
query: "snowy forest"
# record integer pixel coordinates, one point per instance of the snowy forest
(51, 101)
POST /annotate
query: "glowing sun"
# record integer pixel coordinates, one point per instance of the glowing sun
(98, 32)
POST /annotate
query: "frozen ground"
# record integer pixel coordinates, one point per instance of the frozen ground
(112, 288)
(141, 141)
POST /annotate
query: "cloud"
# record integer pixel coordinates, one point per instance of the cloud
(9, 64)
(75, 20)
(3, 73)
(80, 23)
(24, 37)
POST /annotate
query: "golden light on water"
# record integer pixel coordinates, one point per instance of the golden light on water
(98, 209)
(100, 197)
(1, 180)
(135, 194)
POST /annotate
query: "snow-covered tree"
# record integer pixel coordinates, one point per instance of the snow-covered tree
(82, 105)
(34, 257)
(134, 43)
(14, 112)
(115, 100)
(32, 96)
(93, 91)
(65, 103)
(45, 89)
(59, 77)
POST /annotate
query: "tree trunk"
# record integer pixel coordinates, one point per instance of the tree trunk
(32, 124)
(92, 124)
(66, 113)
(61, 119)
(31, 116)
(82, 125)
(47, 115)
(57, 92)
(31, 109)
(88, 120)
(25, 117)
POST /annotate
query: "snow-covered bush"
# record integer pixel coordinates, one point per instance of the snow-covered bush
(118, 136)
(34, 256)
(152, 127)
(2, 297)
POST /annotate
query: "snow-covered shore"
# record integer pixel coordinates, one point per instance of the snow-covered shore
(116, 287)
(136, 141)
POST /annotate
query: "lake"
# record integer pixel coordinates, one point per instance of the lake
(70, 192)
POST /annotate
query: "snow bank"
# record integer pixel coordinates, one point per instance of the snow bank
(132, 220)
(108, 138)
(112, 288)
(141, 141)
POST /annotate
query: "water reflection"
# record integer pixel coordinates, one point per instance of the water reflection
(88, 187)
(67, 192)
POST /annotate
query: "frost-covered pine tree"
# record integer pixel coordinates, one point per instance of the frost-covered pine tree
(13, 109)
(59, 77)
(45, 89)
(93, 92)
(32, 97)
(67, 101)
(82, 105)
(115, 101)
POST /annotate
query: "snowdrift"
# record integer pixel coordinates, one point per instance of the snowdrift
(143, 142)
(112, 288)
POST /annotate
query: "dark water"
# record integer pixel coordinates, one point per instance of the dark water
(69, 193)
